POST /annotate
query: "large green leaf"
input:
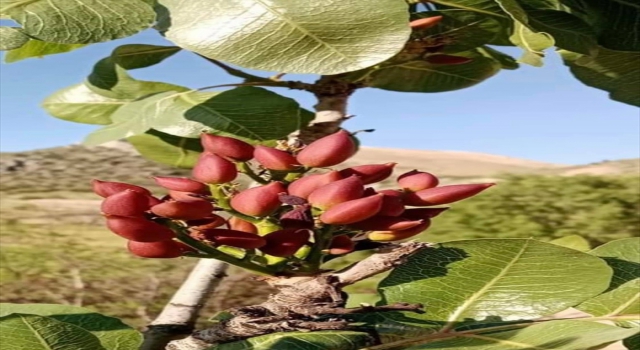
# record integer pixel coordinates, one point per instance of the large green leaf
(79, 104)
(249, 112)
(38, 48)
(421, 76)
(623, 295)
(31, 332)
(616, 22)
(553, 335)
(485, 279)
(459, 30)
(12, 38)
(320, 37)
(111, 332)
(617, 72)
(323, 340)
(179, 152)
(568, 31)
(79, 22)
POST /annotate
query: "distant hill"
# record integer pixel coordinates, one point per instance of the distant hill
(70, 168)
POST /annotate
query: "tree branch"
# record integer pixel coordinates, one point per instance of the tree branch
(178, 317)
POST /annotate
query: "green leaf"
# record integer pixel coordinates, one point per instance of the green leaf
(136, 56)
(632, 343)
(459, 30)
(109, 76)
(552, 335)
(179, 152)
(616, 23)
(568, 31)
(485, 279)
(111, 332)
(574, 242)
(614, 71)
(328, 37)
(79, 22)
(525, 36)
(12, 38)
(37, 48)
(31, 332)
(79, 104)
(623, 295)
(506, 61)
(421, 76)
(248, 112)
(532, 43)
(322, 340)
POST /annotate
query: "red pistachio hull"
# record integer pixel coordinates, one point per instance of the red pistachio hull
(183, 210)
(369, 173)
(227, 147)
(275, 159)
(213, 169)
(328, 151)
(386, 236)
(415, 180)
(305, 185)
(181, 184)
(392, 204)
(126, 203)
(285, 243)
(258, 201)
(138, 229)
(242, 225)
(385, 223)
(444, 194)
(337, 192)
(341, 244)
(158, 250)
(108, 188)
(352, 211)
(425, 23)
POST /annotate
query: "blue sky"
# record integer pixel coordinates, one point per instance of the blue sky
(535, 113)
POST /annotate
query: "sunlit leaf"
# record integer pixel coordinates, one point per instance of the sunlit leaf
(79, 21)
(249, 112)
(623, 295)
(495, 279)
(39, 49)
(321, 37)
(79, 104)
(76, 325)
(554, 335)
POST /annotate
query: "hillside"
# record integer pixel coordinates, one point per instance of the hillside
(70, 168)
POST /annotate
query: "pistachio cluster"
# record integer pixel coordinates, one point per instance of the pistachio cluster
(302, 212)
